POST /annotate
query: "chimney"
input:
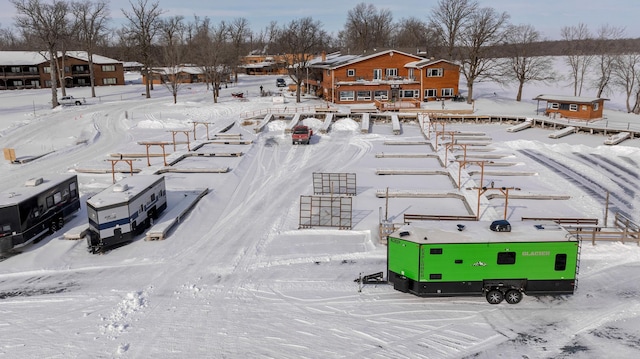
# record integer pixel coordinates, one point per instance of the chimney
(324, 56)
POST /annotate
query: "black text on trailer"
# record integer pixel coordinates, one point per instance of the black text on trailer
(124, 210)
(40, 207)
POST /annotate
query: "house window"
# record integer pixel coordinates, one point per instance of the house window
(15, 69)
(108, 68)
(33, 70)
(411, 74)
(435, 72)
(448, 92)
(377, 74)
(351, 72)
(381, 95)
(553, 105)
(109, 81)
(596, 106)
(328, 72)
(409, 93)
(346, 95)
(364, 95)
(82, 81)
(573, 107)
(47, 83)
(17, 82)
(47, 69)
(391, 73)
(506, 257)
(429, 93)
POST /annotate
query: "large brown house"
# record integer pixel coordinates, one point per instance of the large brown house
(31, 69)
(383, 76)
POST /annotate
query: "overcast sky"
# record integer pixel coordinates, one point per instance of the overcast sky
(547, 16)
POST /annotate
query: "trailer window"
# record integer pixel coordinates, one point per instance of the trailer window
(73, 189)
(57, 197)
(49, 201)
(6, 228)
(561, 262)
(435, 251)
(506, 257)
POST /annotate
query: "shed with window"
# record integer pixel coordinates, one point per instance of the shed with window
(583, 108)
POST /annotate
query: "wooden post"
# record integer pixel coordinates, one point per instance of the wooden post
(606, 210)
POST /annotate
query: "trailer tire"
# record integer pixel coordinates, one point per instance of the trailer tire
(513, 296)
(60, 222)
(495, 296)
(53, 227)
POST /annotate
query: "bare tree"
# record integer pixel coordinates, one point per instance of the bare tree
(448, 19)
(577, 57)
(606, 51)
(172, 32)
(520, 65)
(367, 28)
(9, 40)
(239, 32)
(143, 25)
(92, 19)
(483, 29)
(626, 76)
(211, 50)
(47, 22)
(299, 40)
(412, 32)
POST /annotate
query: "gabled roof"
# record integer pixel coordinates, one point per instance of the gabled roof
(26, 58)
(337, 60)
(33, 58)
(192, 70)
(428, 62)
(571, 99)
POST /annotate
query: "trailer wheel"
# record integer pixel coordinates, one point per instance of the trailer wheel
(53, 227)
(495, 296)
(513, 296)
(60, 222)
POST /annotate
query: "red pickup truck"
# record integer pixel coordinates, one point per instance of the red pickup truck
(301, 134)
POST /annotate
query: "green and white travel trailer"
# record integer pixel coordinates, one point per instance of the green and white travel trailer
(472, 259)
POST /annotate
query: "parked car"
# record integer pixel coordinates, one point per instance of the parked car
(301, 134)
(70, 101)
(280, 82)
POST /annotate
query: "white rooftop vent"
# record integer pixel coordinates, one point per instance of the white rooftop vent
(120, 187)
(32, 182)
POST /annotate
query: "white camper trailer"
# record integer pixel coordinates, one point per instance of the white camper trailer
(124, 210)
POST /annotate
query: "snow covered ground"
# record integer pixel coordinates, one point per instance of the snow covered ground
(238, 279)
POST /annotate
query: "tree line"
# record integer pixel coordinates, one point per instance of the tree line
(480, 39)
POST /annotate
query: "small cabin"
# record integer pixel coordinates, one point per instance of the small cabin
(574, 107)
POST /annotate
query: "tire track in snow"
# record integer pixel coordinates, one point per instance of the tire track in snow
(582, 181)
(232, 245)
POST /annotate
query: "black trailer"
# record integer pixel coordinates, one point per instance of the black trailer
(38, 208)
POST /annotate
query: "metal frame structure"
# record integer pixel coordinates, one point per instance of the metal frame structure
(326, 211)
(334, 183)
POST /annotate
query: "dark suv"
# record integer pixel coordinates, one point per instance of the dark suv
(280, 82)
